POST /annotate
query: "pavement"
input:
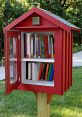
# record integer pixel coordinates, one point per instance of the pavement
(77, 61)
(2, 73)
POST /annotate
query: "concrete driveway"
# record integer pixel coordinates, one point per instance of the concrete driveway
(77, 61)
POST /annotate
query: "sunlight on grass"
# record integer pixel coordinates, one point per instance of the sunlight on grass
(67, 112)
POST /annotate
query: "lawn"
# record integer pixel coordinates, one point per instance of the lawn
(77, 48)
(23, 104)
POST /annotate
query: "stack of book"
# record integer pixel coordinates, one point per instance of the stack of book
(38, 45)
(46, 72)
(40, 71)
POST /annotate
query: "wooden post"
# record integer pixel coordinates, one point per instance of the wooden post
(43, 102)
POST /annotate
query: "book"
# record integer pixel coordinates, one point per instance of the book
(47, 69)
(46, 46)
(51, 73)
(29, 71)
(49, 46)
(31, 47)
(28, 45)
(38, 46)
(35, 45)
(25, 45)
(40, 71)
(51, 37)
(26, 70)
(43, 72)
(50, 67)
(35, 70)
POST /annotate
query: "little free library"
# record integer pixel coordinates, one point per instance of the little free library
(38, 53)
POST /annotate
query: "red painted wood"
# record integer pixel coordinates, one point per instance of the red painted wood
(18, 57)
(67, 62)
(6, 40)
(41, 29)
(71, 57)
(64, 61)
(10, 87)
(43, 22)
(37, 88)
(42, 14)
(58, 62)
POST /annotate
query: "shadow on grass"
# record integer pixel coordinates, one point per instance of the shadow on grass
(18, 104)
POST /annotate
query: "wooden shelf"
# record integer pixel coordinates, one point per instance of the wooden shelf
(41, 60)
(35, 82)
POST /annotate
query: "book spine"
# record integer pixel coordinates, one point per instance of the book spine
(49, 45)
(38, 47)
(31, 46)
(51, 73)
(43, 72)
(25, 45)
(28, 45)
(40, 71)
(35, 46)
(26, 70)
(47, 69)
(29, 71)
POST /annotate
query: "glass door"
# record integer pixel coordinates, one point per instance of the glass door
(13, 61)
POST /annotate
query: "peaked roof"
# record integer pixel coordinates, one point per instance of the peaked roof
(60, 19)
(60, 22)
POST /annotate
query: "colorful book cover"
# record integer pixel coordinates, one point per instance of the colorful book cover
(43, 72)
(40, 71)
(50, 67)
(47, 69)
(51, 74)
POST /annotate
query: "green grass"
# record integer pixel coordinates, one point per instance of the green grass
(77, 48)
(23, 104)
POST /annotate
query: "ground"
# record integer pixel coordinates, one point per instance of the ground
(23, 104)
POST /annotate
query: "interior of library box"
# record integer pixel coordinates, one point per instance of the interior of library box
(37, 55)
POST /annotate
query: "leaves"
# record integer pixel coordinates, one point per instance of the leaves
(70, 10)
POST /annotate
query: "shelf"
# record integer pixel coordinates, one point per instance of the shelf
(41, 60)
(35, 82)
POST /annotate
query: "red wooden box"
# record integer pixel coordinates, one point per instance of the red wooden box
(39, 21)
